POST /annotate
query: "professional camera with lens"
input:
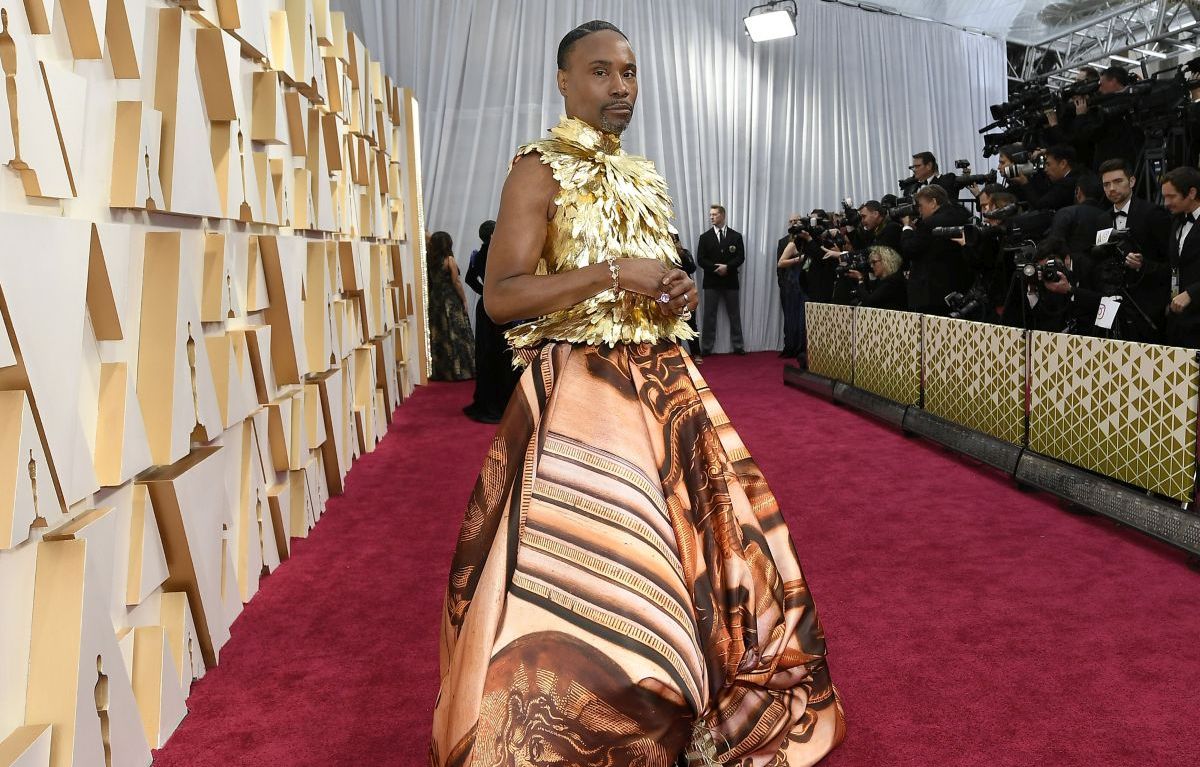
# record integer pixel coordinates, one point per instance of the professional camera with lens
(1024, 164)
(1024, 257)
(972, 233)
(1050, 269)
(966, 304)
(850, 213)
(902, 207)
(1120, 244)
(856, 261)
(1081, 88)
(966, 177)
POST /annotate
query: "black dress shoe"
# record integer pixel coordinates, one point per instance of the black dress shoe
(740, 352)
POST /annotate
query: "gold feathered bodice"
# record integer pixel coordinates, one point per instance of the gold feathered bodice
(609, 203)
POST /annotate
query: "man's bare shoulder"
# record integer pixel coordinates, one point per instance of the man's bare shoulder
(531, 181)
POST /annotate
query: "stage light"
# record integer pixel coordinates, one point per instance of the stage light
(771, 21)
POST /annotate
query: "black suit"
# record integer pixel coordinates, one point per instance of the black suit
(1056, 194)
(711, 252)
(1111, 136)
(1077, 226)
(947, 181)
(937, 266)
(887, 235)
(1150, 228)
(1183, 329)
(888, 293)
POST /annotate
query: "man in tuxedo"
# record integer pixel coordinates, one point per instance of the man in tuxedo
(720, 253)
(1181, 195)
(937, 266)
(1147, 275)
(1059, 191)
(925, 173)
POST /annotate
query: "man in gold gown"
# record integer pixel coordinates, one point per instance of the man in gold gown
(625, 591)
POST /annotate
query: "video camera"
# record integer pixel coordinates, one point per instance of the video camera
(1120, 244)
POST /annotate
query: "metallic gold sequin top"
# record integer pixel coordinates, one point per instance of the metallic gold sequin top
(609, 203)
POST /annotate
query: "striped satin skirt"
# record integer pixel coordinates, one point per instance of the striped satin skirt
(625, 591)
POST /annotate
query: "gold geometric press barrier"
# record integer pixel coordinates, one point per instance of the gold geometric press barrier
(831, 340)
(975, 376)
(887, 354)
(1122, 409)
(211, 303)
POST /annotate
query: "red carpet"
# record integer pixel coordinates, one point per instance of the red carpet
(968, 623)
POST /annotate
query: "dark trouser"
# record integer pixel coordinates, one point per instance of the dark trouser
(495, 378)
(794, 340)
(713, 297)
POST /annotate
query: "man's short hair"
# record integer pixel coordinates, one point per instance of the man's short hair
(578, 33)
(1053, 247)
(1117, 163)
(1120, 74)
(1003, 199)
(1062, 152)
(991, 190)
(933, 193)
(1184, 179)
(927, 158)
(1088, 185)
(1010, 150)
(717, 206)
(1089, 73)
(874, 206)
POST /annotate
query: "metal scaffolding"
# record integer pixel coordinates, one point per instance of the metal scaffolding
(1140, 36)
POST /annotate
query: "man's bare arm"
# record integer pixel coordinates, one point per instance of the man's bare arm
(511, 289)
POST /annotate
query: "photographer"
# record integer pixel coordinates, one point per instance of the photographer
(889, 290)
(792, 293)
(1148, 224)
(1111, 132)
(1181, 195)
(875, 228)
(1012, 156)
(925, 173)
(1040, 298)
(1077, 224)
(818, 262)
(1060, 121)
(1059, 191)
(937, 266)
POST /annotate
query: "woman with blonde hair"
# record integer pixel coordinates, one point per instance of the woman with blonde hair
(888, 291)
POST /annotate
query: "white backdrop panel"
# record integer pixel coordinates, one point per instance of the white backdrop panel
(763, 129)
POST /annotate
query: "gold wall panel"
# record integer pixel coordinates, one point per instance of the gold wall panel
(203, 323)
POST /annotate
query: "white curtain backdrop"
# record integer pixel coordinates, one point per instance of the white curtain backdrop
(764, 129)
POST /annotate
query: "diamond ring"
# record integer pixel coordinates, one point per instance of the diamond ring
(664, 298)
